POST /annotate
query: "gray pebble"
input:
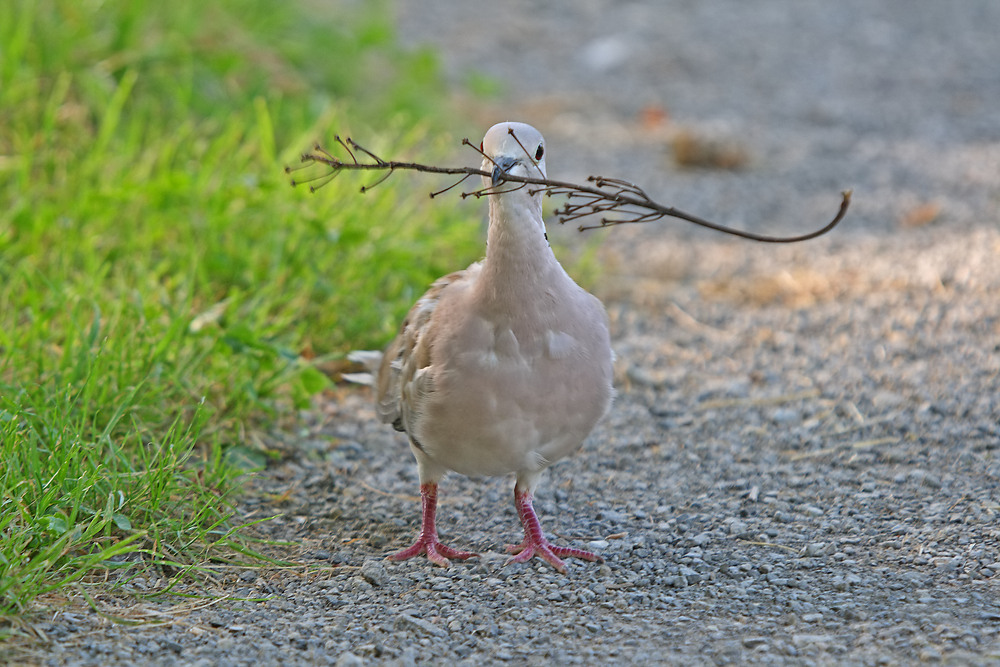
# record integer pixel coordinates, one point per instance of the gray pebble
(407, 622)
(348, 659)
(815, 549)
(374, 572)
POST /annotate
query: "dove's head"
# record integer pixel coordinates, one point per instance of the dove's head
(513, 148)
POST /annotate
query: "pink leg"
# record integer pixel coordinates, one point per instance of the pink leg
(427, 542)
(534, 543)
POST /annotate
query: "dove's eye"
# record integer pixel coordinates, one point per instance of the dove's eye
(539, 152)
(480, 147)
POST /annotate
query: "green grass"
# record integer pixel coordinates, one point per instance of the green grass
(162, 288)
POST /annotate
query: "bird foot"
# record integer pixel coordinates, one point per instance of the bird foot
(548, 552)
(437, 553)
(535, 544)
(427, 542)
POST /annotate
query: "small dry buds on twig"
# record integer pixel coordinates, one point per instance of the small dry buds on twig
(627, 202)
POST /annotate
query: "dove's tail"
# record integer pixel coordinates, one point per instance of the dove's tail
(371, 360)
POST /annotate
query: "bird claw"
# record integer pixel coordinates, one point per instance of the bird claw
(534, 542)
(437, 553)
(548, 552)
(427, 542)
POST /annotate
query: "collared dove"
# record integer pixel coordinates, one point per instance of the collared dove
(504, 367)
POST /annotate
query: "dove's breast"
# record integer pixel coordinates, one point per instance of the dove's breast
(510, 398)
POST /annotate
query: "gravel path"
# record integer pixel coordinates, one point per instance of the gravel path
(802, 465)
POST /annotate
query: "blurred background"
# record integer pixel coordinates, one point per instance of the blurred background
(748, 111)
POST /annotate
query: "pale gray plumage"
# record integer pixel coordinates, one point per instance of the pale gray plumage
(504, 367)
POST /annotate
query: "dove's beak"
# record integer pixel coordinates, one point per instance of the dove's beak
(500, 167)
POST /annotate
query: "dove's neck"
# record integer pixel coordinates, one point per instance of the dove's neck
(519, 263)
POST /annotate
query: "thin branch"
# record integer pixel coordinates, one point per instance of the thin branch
(364, 150)
(524, 150)
(466, 142)
(603, 196)
(453, 185)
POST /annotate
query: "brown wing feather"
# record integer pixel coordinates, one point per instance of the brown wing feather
(400, 383)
